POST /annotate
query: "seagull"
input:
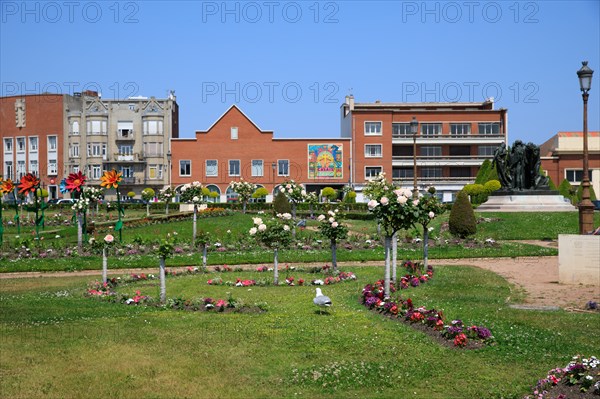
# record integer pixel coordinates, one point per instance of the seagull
(321, 300)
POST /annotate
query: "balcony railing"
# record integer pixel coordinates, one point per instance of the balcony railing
(443, 157)
(130, 136)
(134, 157)
(450, 136)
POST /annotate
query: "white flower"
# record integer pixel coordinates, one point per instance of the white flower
(318, 282)
(416, 202)
(407, 193)
(109, 239)
(431, 214)
(253, 231)
(321, 218)
(286, 216)
(288, 186)
(228, 231)
(57, 236)
(372, 204)
(217, 244)
(282, 189)
(195, 199)
(290, 190)
(303, 192)
(334, 224)
(262, 227)
(331, 213)
(401, 200)
(286, 227)
(257, 221)
(430, 229)
(384, 200)
(90, 241)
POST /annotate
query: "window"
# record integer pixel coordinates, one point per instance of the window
(234, 133)
(231, 195)
(96, 172)
(96, 127)
(372, 171)
(53, 167)
(131, 107)
(431, 172)
(489, 128)
(33, 167)
(460, 129)
(213, 189)
(234, 167)
(153, 127)
(8, 145)
(125, 149)
(96, 150)
(257, 167)
(125, 129)
(212, 168)
(185, 167)
(127, 172)
(33, 144)
(431, 129)
(486, 150)
(153, 149)
(431, 151)
(283, 167)
(20, 144)
(373, 151)
(576, 175)
(74, 151)
(401, 130)
(75, 168)
(155, 172)
(460, 171)
(52, 143)
(20, 169)
(372, 128)
(460, 150)
(8, 169)
(402, 173)
(75, 128)
(402, 151)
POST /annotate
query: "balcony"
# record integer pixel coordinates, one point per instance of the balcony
(125, 135)
(450, 139)
(433, 181)
(443, 160)
(127, 158)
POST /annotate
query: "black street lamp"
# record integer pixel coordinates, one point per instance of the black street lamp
(586, 208)
(414, 129)
(169, 156)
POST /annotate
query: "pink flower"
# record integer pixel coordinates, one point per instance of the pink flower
(384, 200)
(401, 199)
(109, 238)
(334, 224)
(372, 204)
(220, 303)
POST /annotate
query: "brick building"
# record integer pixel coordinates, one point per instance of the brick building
(234, 147)
(562, 158)
(32, 132)
(452, 141)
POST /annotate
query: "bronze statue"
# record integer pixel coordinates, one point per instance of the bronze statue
(518, 167)
(500, 163)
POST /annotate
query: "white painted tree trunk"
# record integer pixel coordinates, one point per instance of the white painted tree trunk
(388, 244)
(275, 266)
(167, 208)
(244, 207)
(334, 254)
(194, 227)
(163, 283)
(104, 265)
(425, 248)
(294, 219)
(80, 231)
(204, 247)
(148, 209)
(394, 256)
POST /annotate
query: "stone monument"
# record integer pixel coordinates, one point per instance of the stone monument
(523, 187)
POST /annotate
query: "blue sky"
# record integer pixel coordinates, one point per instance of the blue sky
(288, 65)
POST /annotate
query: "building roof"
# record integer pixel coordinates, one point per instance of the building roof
(425, 106)
(225, 113)
(578, 134)
(551, 146)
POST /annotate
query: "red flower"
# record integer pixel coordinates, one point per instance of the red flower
(460, 340)
(29, 183)
(75, 181)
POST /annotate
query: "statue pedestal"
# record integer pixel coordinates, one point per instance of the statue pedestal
(526, 201)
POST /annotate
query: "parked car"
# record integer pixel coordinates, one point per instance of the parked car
(136, 201)
(68, 201)
(52, 201)
(596, 205)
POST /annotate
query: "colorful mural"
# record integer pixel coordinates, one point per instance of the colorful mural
(325, 161)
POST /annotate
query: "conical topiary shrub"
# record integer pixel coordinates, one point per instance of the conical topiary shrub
(462, 221)
(281, 204)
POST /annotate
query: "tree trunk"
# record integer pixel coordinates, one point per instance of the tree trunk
(333, 254)
(194, 226)
(163, 283)
(388, 243)
(244, 207)
(204, 255)
(294, 219)
(379, 229)
(275, 267)
(311, 211)
(104, 265)
(167, 208)
(79, 231)
(148, 209)
(394, 256)
(425, 247)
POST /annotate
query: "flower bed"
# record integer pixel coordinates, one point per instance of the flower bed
(579, 379)
(290, 281)
(430, 321)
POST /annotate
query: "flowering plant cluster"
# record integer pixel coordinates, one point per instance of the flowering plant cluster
(94, 194)
(244, 189)
(274, 233)
(331, 228)
(166, 193)
(581, 372)
(412, 280)
(329, 280)
(428, 207)
(373, 297)
(191, 193)
(294, 192)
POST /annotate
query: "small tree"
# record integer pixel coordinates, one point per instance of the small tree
(579, 194)
(203, 240)
(492, 185)
(476, 192)
(108, 241)
(484, 171)
(329, 193)
(191, 193)
(148, 195)
(462, 221)
(166, 194)
(130, 195)
(566, 190)
(244, 191)
(260, 193)
(274, 234)
(295, 194)
(333, 230)
(281, 204)
(428, 207)
(165, 250)
(312, 199)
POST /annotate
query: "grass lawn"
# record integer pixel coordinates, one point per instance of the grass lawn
(56, 343)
